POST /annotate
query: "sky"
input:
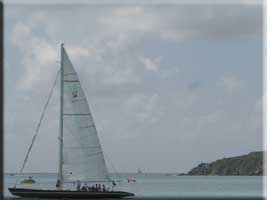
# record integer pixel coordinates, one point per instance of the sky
(169, 85)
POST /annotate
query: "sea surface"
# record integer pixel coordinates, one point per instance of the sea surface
(163, 186)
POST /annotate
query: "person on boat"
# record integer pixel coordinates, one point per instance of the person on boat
(93, 188)
(104, 189)
(113, 183)
(86, 187)
(58, 185)
(83, 188)
(96, 188)
(78, 185)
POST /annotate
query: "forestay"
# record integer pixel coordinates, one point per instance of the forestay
(82, 154)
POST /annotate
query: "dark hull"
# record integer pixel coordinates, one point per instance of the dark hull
(66, 193)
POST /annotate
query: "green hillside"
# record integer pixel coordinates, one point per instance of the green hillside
(245, 165)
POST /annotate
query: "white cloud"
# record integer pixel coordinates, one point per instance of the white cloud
(170, 72)
(39, 57)
(210, 119)
(256, 118)
(151, 64)
(78, 52)
(169, 21)
(108, 31)
(20, 33)
(231, 83)
(145, 109)
(129, 18)
(41, 61)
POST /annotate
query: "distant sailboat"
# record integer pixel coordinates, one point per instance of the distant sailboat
(80, 154)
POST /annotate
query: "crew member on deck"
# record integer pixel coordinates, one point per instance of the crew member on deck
(89, 188)
(83, 188)
(58, 185)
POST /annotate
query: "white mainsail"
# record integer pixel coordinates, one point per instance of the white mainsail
(83, 158)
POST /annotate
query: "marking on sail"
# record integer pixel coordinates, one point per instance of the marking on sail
(68, 74)
(94, 154)
(74, 94)
(82, 147)
(78, 99)
(87, 126)
(70, 81)
(76, 114)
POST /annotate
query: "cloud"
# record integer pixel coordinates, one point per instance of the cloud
(210, 119)
(151, 64)
(112, 31)
(20, 33)
(128, 19)
(256, 118)
(39, 57)
(174, 22)
(144, 108)
(77, 52)
(231, 83)
(182, 22)
(194, 85)
(169, 72)
(211, 22)
(41, 61)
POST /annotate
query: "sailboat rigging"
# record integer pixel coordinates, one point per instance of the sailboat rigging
(80, 154)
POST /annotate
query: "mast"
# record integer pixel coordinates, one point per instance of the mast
(59, 181)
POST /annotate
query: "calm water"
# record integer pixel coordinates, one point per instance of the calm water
(160, 185)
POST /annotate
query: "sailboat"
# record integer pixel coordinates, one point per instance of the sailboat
(81, 159)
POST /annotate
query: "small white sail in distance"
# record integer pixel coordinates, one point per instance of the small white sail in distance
(83, 158)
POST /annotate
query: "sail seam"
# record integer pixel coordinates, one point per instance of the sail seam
(87, 126)
(68, 74)
(70, 81)
(84, 147)
(77, 100)
(76, 114)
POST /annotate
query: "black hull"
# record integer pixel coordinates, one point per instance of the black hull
(34, 193)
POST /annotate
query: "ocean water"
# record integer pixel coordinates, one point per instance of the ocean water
(163, 186)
